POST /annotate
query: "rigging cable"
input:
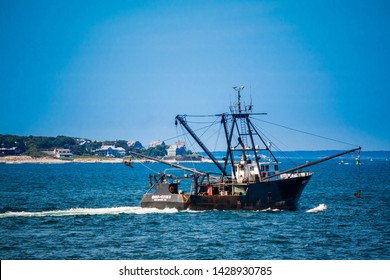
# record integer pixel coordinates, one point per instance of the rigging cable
(150, 169)
(276, 146)
(207, 128)
(184, 133)
(187, 140)
(192, 143)
(308, 133)
(218, 134)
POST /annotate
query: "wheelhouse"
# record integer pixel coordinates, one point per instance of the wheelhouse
(248, 171)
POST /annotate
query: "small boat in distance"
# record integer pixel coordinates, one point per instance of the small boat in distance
(246, 179)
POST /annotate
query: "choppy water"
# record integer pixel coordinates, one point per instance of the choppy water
(90, 211)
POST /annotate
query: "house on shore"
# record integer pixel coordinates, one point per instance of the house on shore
(110, 151)
(14, 151)
(178, 148)
(62, 153)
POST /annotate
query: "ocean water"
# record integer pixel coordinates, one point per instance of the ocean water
(91, 211)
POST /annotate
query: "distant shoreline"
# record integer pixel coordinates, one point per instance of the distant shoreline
(50, 160)
(365, 155)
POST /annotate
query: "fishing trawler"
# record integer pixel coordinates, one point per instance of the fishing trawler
(246, 179)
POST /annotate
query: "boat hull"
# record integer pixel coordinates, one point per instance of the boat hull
(278, 194)
(281, 194)
(178, 201)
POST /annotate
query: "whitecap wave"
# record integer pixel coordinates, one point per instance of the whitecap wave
(270, 210)
(319, 208)
(90, 211)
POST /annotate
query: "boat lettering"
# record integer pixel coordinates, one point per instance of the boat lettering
(161, 197)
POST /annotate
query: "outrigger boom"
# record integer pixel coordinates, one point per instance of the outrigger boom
(313, 162)
(172, 164)
(167, 163)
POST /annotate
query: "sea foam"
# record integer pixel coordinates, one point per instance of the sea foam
(89, 211)
(319, 208)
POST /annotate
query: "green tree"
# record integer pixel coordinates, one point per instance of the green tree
(158, 151)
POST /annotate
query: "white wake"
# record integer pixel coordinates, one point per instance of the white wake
(319, 208)
(90, 211)
(116, 211)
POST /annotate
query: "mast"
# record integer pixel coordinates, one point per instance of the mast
(200, 143)
(253, 145)
(229, 153)
(239, 89)
(242, 116)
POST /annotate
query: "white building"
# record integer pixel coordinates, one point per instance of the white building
(155, 143)
(178, 148)
(111, 151)
(62, 153)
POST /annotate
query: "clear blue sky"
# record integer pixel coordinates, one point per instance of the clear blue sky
(111, 70)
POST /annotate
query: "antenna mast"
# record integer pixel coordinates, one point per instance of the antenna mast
(239, 89)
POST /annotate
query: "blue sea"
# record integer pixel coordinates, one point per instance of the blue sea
(76, 211)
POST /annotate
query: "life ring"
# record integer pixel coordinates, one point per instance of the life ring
(171, 189)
